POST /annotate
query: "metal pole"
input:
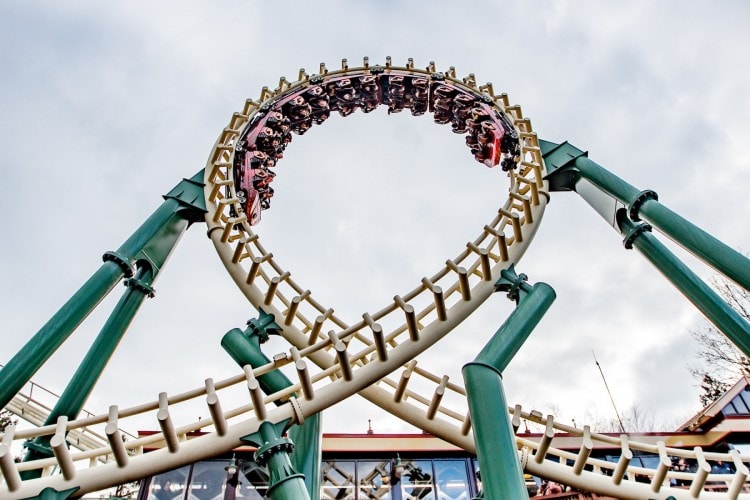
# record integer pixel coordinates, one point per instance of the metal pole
(284, 483)
(244, 348)
(158, 248)
(502, 474)
(51, 336)
(567, 164)
(607, 204)
(80, 386)
(644, 205)
(27, 361)
(307, 456)
(532, 303)
(726, 319)
(186, 199)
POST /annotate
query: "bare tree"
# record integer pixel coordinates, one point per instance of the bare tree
(721, 362)
(634, 419)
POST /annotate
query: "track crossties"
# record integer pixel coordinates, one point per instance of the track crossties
(490, 133)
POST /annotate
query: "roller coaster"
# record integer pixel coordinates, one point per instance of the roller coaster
(328, 358)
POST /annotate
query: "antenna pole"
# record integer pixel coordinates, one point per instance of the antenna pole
(606, 386)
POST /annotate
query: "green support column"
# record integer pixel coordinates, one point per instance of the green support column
(285, 483)
(244, 348)
(80, 386)
(21, 367)
(157, 249)
(502, 475)
(726, 319)
(566, 164)
(186, 199)
(153, 257)
(309, 451)
(532, 302)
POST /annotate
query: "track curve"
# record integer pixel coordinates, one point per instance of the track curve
(421, 317)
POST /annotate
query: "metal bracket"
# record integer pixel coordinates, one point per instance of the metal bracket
(39, 448)
(559, 161)
(632, 234)
(263, 326)
(267, 450)
(514, 284)
(122, 262)
(141, 286)
(189, 194)
(297, 410)
(637, 203)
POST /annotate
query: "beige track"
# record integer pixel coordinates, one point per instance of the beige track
(331, 359)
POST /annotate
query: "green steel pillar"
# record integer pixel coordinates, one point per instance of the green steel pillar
(285, 483)
(78, 389)
(726, 319)
(644, 205)
(532, 302)
(502, 475)
(567, 164)
(244, 348)
(21, 367)
(158, 249)
(308, 454)
(186, 200)
(621, 204)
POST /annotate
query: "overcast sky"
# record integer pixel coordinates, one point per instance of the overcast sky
(105, 106)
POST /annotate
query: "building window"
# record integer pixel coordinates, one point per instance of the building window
(374, 479)
(416, 479)
(170, 485)
(253, 481)
(451, 479)
(338, 479)
(208, 481)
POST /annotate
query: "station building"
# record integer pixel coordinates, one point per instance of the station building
(421, 466)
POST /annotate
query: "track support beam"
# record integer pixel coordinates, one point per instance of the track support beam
(623, 207)
(244, 348)
(502, 473)
(710, 303)
(80, 386)
(52, 494)
(567, 164)
(284, 482)
(184, 203)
